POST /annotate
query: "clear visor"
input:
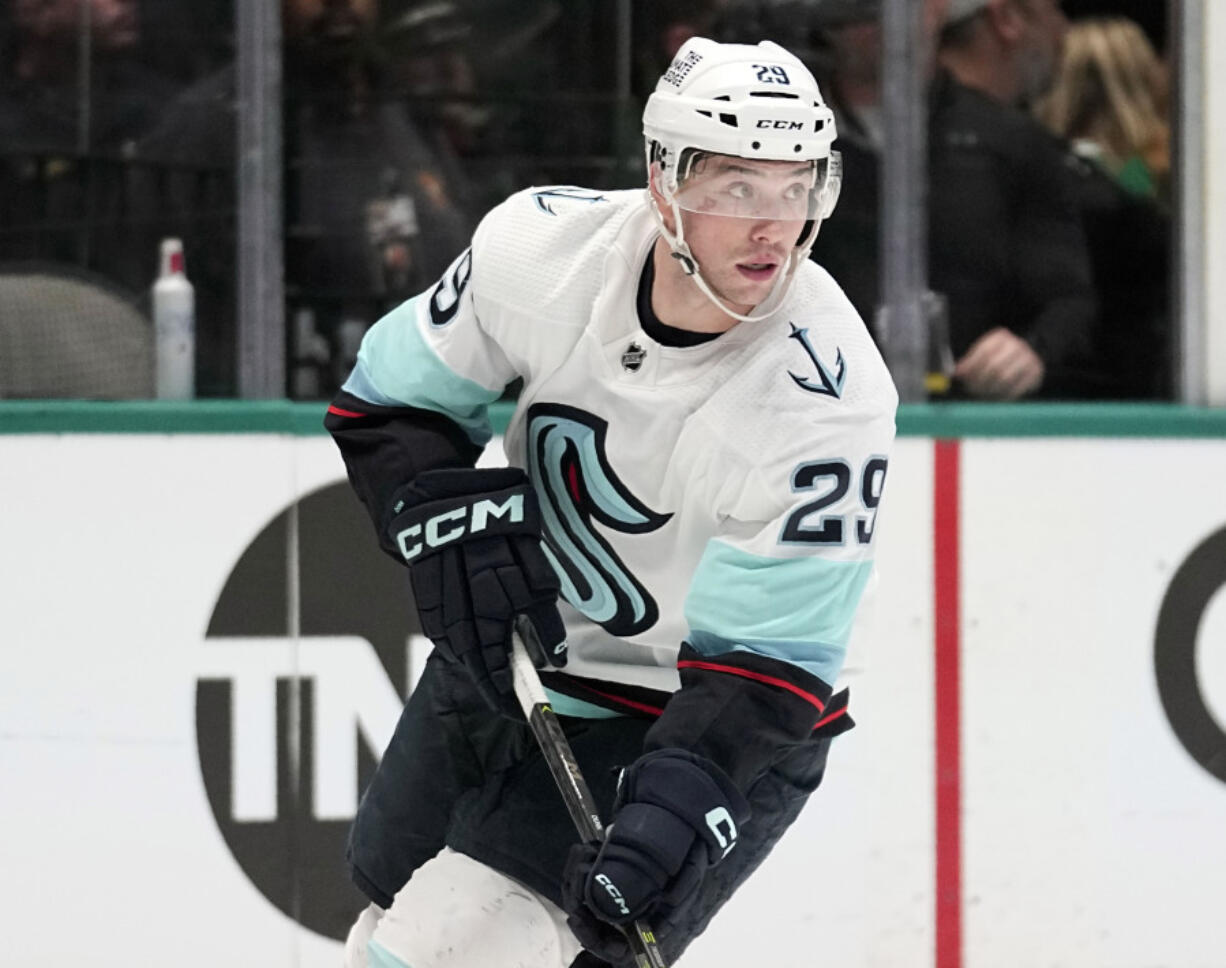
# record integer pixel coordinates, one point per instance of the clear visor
(743, 188)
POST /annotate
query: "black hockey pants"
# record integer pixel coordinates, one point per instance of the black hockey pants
(457, 774)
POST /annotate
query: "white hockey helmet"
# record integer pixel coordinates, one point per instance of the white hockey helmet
(754, 101)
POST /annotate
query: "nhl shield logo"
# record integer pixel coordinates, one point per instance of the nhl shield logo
(633, 358)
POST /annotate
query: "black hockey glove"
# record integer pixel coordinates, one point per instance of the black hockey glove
(676, 816)
(472, 540)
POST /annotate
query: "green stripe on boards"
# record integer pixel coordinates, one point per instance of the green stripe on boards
(306, 418)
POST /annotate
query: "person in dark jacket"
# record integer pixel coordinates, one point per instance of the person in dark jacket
(1007, 248)
(1110, 103)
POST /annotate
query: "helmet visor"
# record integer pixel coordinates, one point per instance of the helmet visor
(745, 188)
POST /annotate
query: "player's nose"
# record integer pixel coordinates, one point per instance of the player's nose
(768, 230)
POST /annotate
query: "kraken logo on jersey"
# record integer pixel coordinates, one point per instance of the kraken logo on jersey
(831, 386)
(575, 484)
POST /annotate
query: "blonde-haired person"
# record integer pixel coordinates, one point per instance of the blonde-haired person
(1108, 103)
(1110, 99)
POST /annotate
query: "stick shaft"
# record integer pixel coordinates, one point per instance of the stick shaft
(580, 803)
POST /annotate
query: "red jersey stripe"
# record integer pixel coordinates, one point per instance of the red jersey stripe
(769, 680)
(633, 704)
(345, 413)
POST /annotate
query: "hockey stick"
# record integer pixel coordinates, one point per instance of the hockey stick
(565, 769)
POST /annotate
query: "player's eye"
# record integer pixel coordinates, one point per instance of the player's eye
(741, 191)
(795, 192)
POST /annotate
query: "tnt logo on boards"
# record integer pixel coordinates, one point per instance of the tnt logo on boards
(1185, 697)
(289, 728)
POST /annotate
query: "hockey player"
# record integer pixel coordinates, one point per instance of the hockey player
(701, 442)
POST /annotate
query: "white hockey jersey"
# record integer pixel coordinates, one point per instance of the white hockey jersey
(723, 494)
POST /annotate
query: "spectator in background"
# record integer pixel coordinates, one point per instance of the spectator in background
(849, 68)
(1051, 272)
(75, 97)
(665, 25)
(1110, 101)
(365, 180)
(1008, 248)
(365, 186)
(427, 60)
(364, 183)
(75, 261)
(998, 213)
(65, 124)
(841, 41)
(52, 100)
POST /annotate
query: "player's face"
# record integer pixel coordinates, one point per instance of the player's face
(741, 219)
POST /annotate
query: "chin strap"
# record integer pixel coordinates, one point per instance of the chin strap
(681, 252)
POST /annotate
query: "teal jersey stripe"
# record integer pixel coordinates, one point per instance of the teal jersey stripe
(378, 956)
(397, 367)
(569, 706)
(798, 610)
(816, 658)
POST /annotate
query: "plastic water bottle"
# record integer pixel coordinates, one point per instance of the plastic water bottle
(174, 324)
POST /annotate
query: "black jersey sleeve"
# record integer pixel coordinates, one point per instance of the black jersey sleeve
(384, 448)
(744, 711)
